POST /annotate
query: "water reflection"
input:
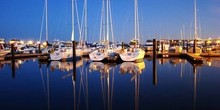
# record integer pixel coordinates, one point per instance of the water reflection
(107, 74)
(65, 66)
(76, 84)
(132, 68)
(135, 69)
(214, 62)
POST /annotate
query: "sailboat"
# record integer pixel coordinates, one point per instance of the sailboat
(106, 52)
(196, 37)
(134, 53)
(65, 52)
(3, 50)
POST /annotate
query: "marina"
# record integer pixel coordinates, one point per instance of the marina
(109, 55)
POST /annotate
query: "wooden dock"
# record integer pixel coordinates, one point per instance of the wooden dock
(194, 58)
(26, 55)
(210, 54)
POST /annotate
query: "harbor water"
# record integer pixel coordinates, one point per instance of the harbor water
(169, 84)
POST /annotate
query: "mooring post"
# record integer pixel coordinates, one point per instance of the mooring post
(13, 60)
(154, 62)
(74, 50)
(154, 48)
(12, 51)
(74, 60)
(122, 45)
(194, 46)
(187, 46)
(39, 48)
(162, 46)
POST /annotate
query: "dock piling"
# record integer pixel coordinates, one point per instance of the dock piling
(74, 50)
(194, 46)
(154, 62)
(13, 60)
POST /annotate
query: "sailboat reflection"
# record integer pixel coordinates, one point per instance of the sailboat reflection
(214, 62)
(107, 81)
(64, 66)
(132, 68)
(135, 69)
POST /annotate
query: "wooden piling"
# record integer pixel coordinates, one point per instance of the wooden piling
(154, 62)
(74, 50)
(122, 45)
(194, 46)
(39, 48)
(74, 60)
(187, 46)
(154, 48)
(13, 60)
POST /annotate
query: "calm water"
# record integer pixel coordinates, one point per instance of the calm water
(174, 85)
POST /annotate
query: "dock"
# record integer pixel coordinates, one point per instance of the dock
(17, 56)
(195, 58)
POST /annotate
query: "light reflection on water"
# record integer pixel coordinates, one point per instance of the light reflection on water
(164, 84)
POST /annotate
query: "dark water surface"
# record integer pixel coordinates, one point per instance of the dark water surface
(173, 84)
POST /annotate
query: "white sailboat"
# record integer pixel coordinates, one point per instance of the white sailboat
(107, 52)
(196, 36)
(66, 52)
(3, 50)
(134, 53)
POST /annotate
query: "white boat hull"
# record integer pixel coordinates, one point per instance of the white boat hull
(137, 54)
(97, 55)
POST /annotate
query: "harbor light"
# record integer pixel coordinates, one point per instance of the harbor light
(30, 42)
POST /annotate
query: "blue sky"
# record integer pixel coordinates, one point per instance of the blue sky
(158, 19)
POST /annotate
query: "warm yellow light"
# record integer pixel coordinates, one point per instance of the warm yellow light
(30, 42)
(2, 42)
(11, 42)
(22, 42)
(44, 43)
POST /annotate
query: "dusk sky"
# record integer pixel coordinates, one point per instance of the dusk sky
(158, 19)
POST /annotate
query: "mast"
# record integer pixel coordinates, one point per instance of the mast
(136, 23)
(72, 35)
(107, 22)
(46, 22)
(86, 22)
(195, 21)
(135, 19)
(102, 32)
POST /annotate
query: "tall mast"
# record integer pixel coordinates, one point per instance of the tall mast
(72, 36)
(107, 20)
(86, 22)
(135, 19)
(46, 22)
(195, 21)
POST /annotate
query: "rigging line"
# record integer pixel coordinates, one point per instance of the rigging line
(78, 22)
(46, 20)
(111, 23)
(101, 21)
(42, 22)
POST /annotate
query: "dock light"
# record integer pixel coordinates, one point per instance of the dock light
(11, 42)
(22, 42)
(30, 42)
(2, 42)
(38, 42)
(218, 41)
(44, 43)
